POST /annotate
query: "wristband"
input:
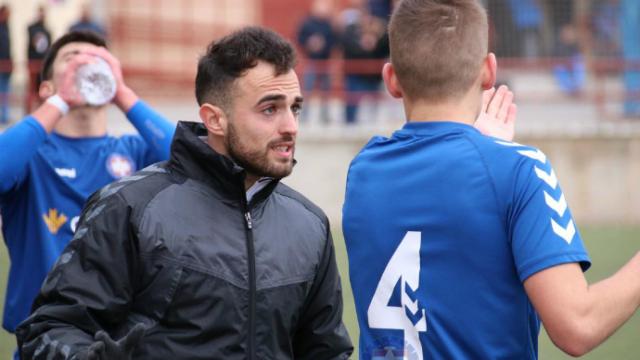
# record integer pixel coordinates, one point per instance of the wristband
(58, 103)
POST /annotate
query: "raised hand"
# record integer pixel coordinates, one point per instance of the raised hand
(125, 97)
(498, 114)
(66, 82)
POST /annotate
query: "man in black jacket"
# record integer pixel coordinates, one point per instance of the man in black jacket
(206, 256)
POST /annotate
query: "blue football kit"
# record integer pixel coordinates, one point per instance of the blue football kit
(45, 180)
(443, 225)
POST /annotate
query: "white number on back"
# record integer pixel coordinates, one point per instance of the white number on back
(403, 267)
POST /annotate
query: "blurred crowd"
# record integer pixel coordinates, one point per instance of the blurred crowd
(358, 33)
(38, 42)
(343, 45)
(344, 48)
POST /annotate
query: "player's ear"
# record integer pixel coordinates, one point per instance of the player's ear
(46, 89)
(214, 119)
(391, 81)
(489, 71)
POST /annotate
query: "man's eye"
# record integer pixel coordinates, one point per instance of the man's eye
(269, 111)
(296, 109)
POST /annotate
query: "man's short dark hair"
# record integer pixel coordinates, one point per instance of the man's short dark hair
(71, 37)
(231, 56)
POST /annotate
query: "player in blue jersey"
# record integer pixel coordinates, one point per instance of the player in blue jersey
(460, 243)
(52, 160)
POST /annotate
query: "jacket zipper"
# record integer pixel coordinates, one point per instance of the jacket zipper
(251, 255)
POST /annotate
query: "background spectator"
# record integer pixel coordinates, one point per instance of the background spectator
(570, 72)
(316, 38)
(605, 21)
(527, 19)
(39, 43)
(351, 14)
(630, 26)
(381, 8)
(6, 66)
(86, 23)
(362, 41)
(502, 23)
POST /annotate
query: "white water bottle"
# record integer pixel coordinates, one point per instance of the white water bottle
(95, 82)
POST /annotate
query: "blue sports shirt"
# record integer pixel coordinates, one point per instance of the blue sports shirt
(44, 182)
(443, 225)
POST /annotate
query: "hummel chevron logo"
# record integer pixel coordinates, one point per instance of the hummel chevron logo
(412, 306)
(559, 206)
(549, 178)
(534, 154)
(409, 301)
(564, 232)
(415, 317)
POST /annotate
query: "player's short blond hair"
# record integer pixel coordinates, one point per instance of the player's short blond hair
(438, 46)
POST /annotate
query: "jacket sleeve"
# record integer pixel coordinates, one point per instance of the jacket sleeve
(156, 131)
(321, 334)
(89, 288)
(18, 145)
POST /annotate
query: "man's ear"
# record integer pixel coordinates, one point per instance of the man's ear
(214, 119)
(46, 89)
(391, 81)
(489, 71)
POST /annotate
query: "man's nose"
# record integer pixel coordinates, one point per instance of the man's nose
(289, 123)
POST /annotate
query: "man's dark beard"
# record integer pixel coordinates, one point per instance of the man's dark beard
(254, 162)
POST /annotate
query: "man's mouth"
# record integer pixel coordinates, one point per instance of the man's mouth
(283, 149)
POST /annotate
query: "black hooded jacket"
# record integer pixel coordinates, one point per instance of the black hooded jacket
(177, 248)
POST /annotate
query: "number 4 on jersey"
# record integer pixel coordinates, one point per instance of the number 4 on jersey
(403, 268)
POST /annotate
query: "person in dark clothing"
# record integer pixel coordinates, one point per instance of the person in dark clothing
(86, 23)
(381, 8)
(504, 39)
(206, 256)
(570, 69)
(6, 66)
(316, 39)
(365, 47)
(39, 41)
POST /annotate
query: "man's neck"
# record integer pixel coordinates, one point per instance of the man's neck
(217, 144)
(250, 180)
(83, 122)
(464, 109)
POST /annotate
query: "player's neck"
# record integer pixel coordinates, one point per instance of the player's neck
(463, 110)
(83, 122)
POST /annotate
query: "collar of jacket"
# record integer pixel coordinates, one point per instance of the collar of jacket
(197, 160)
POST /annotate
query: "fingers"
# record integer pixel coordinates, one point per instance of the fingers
(104, 54)
(79, 60)
(102, 336)
(95, 350)
(496, 101)
(97, 51)
(511, 114)
(486, 98)
(133, 337)
(67, 80)
(507, 101)
(509, 127)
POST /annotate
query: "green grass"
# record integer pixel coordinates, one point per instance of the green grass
(608, 247)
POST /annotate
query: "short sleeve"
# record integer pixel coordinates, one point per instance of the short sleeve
(542, 230)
